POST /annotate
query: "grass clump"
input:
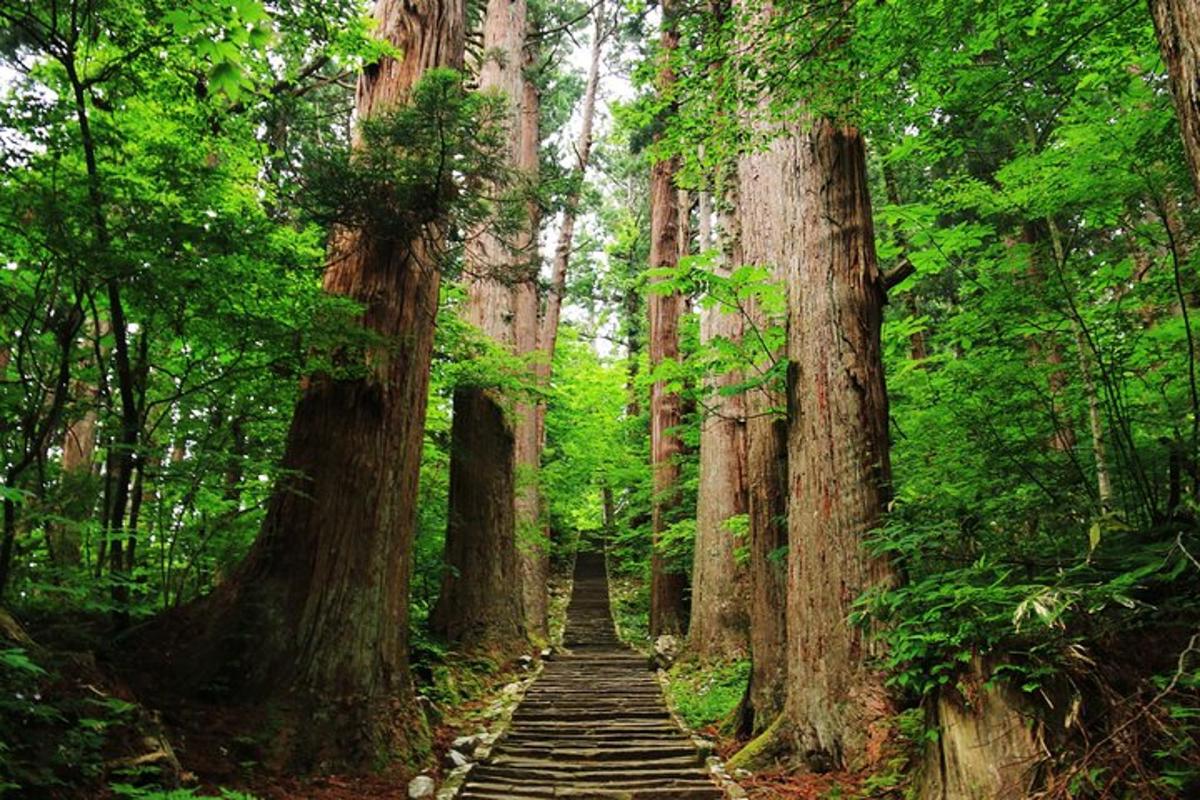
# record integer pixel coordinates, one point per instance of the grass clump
(708, 694)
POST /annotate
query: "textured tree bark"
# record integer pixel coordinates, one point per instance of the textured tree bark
(535, 561)
(1178, 25)
(839, 470)
(767, 215)
(315, 620)
(481, 596)
(719, 625)
(667, 584)
(533, 545)
(986, 748)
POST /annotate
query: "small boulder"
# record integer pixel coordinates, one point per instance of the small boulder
(456, 759)
(666, 650)
(421, 786)
(465, 744)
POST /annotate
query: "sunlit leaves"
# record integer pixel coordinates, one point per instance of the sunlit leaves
(223, 34)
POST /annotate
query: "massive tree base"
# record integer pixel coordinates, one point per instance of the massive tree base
(987, 747)
(228, 653)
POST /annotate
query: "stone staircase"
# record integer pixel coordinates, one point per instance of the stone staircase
(594, 724)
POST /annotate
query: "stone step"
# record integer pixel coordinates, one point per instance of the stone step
(594, 724)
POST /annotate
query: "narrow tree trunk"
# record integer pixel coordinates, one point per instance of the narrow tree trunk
(130, 423)
(1178, 25)
(533, 545)
(1104, 486)
(481, 596)
(719, 624)
(8, 539)
(315, 620)
(536, 563)
(840, 474)
(667, 581)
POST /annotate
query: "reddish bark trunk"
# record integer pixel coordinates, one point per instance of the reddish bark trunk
(533, 545)
(315, 621)
(481, 596)
(719, 624)
(667, 582)
(78, 484)
(839, 471)
(767, 207)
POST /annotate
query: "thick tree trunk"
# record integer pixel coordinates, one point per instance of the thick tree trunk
(315, 621)
(667, 582)
(1178, 25)
(481, 606)
(767, 208)
(839, 471)
(481, 597)
(719, 624)
(533, 544)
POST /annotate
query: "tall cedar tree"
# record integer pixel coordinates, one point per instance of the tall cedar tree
(533, 553)
(481, 598)
(719, 626)
(668, 614)
(315, 620)
(839, 472)
(766, 211)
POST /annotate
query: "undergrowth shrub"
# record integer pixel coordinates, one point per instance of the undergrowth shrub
(1077, 628)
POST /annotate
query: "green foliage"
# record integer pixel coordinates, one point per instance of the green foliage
(141, 793)
(69, 728)
(631, 610)
(708, 694)
(415, 164)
